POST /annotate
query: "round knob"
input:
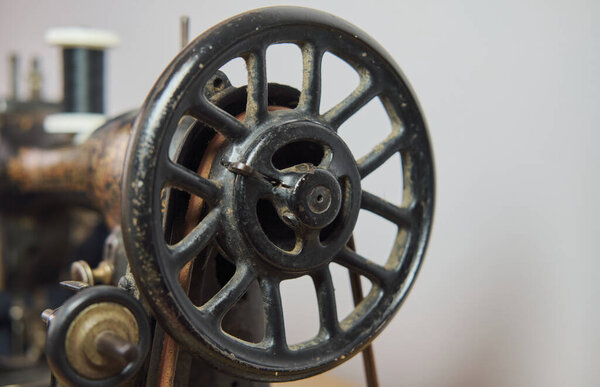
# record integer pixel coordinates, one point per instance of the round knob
(316, 198)
(81, 271)
(100, 336)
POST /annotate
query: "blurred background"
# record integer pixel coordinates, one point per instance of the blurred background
(507, 295)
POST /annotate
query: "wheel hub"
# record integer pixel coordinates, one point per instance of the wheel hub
(300, 176)
(315, 199)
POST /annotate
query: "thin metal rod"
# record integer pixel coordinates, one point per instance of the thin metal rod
(35, 80)
(184, 24)
(117, 348)
(14, 77)
(368, 355)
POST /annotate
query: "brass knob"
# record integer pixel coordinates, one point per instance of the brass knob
(81, 271)
(99, 336)
(102, 340)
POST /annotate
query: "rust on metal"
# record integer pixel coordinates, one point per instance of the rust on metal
(92, 171)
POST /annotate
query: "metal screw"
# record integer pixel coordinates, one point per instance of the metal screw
(48, 316)
(319, 199)
(243, 169)
(290, 219)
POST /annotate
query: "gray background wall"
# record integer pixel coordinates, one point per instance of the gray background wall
(508, 292)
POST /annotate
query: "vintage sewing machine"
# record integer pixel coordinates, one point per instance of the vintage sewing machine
(172, 227)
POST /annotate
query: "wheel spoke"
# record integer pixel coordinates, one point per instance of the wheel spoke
(326, 299)
(219, 120)
(183, 128)
(233, 290)
(385, 209)
(256, 105)
(355, 262)
(310, 99)
(193, 243)
(364, 93)
(183, 178)
(380, 153)
(310, 241)
(274, 327)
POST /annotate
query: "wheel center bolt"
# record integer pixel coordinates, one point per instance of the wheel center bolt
(319, 199)
(315, 199)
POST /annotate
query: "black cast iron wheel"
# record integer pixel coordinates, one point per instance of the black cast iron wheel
(317, 201)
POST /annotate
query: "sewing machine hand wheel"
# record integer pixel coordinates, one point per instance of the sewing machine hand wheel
(318, 201)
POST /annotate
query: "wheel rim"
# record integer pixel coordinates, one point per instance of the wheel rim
(149, 169)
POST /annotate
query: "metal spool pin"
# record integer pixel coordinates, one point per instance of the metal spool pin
(14, 77)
